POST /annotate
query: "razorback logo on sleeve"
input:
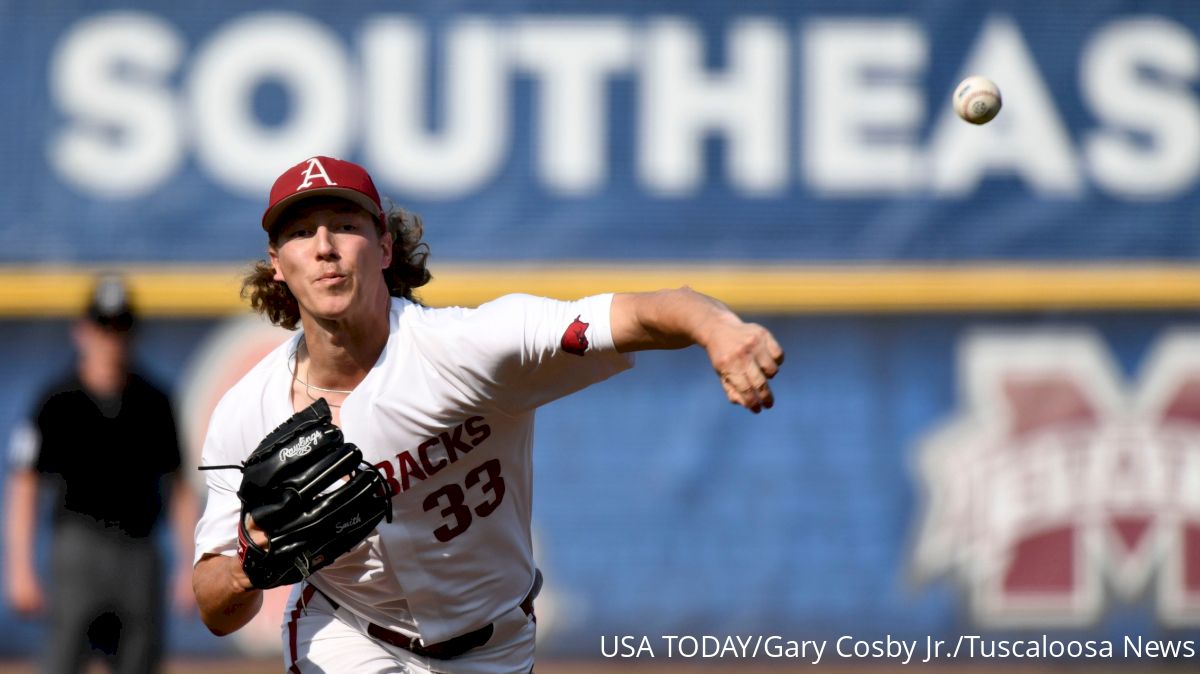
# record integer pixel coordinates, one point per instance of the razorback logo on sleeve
(575, 340)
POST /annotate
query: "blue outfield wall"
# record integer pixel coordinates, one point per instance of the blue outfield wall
(662, 509)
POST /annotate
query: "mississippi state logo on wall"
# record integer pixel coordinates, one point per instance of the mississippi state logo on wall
(1061, 486)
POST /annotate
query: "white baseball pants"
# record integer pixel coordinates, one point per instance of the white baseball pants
(320, 639)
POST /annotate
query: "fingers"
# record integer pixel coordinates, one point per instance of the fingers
(770, 357)
(747, 365)
(747, 386)
(766, 397)
(257, 535)
(741, 392)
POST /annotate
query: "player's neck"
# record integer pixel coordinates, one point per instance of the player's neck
(339, 355)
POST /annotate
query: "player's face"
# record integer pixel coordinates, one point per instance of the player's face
(331, 257)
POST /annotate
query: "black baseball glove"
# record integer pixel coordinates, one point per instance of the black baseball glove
(286, 488)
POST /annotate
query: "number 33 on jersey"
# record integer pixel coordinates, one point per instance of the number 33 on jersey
(435, 454)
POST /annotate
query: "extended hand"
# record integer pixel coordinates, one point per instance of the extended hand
(745, 356)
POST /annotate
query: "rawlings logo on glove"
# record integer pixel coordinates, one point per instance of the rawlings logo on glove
(284, 483)
(303, 446)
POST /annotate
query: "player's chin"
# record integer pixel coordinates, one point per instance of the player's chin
(330, 306)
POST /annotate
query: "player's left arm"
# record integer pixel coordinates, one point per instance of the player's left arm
(744, 355)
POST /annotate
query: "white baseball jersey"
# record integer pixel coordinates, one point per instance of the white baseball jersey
(447, 415)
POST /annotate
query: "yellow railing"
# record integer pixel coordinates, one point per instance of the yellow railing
(183, 291)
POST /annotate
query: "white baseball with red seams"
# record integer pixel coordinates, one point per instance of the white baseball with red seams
(977, 99)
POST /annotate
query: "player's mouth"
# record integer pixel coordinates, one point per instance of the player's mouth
(330, 279)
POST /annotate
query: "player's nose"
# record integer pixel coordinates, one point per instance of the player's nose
(324, 243)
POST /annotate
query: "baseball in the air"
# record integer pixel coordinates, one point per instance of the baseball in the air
(977, 99)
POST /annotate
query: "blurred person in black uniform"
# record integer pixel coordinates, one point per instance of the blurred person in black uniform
(104, 440)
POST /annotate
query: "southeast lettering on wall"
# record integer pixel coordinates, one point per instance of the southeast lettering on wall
(832, 106)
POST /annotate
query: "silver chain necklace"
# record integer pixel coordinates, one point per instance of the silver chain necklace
(308, 388)
(324, 390)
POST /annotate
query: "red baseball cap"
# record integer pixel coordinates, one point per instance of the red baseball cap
(322, 176)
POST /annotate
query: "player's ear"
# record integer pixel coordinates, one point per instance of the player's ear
(274, 255)
(385, 244)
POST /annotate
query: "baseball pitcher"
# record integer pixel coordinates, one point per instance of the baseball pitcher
(380, 461)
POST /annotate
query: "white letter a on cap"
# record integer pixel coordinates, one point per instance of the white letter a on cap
(315, 170)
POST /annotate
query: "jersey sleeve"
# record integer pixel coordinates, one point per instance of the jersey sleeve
(522, 351)
(216, 532)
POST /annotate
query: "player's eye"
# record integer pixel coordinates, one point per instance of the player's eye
(297, 233)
